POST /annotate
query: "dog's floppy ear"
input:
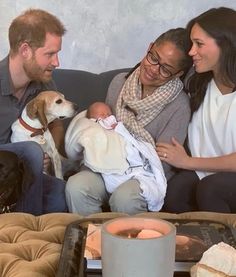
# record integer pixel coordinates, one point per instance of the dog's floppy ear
(35, 109)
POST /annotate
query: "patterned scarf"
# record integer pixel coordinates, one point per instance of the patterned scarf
(135, 112)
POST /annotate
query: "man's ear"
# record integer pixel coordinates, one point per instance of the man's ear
(25, 50)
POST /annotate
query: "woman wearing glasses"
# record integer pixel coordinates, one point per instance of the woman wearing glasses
(208, 179)
(151, 103)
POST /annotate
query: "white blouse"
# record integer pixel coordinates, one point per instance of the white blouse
(212, 130)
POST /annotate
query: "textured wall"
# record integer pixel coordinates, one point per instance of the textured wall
(108, 34)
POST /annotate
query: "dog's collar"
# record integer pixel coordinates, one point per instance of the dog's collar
(35, 131)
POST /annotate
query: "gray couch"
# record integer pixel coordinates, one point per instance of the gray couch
(84, 87)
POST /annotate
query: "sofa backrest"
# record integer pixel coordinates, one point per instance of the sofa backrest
(83, 87)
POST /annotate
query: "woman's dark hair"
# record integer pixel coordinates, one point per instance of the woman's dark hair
(180, 38)
(219, 23)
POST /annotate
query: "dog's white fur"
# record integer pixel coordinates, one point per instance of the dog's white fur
(38, 113)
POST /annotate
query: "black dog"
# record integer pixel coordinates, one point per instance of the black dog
(12, 175)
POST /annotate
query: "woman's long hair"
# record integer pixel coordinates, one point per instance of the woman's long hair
(219, 23)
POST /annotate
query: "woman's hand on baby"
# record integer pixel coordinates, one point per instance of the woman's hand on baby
(173, 154)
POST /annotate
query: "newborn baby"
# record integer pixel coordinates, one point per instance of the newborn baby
(101, 113)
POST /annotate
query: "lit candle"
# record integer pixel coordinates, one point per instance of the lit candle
(148, 233)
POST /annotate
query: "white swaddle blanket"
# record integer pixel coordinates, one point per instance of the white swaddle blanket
(150, 175)
(118, 156)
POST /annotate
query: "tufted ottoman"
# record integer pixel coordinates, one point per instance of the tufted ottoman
(30, 245)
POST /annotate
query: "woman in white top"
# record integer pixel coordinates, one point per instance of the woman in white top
(207, 180)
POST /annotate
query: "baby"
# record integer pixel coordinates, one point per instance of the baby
(101, 113)
(110, 149)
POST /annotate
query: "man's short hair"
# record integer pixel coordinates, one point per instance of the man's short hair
(32, 27)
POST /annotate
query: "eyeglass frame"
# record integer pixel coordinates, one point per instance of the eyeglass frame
(160, 65)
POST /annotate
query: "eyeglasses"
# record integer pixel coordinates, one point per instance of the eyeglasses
(153, 60)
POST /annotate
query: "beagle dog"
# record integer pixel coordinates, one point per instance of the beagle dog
(12, 176)
(33, 123)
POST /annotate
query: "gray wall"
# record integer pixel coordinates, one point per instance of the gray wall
(107, 34)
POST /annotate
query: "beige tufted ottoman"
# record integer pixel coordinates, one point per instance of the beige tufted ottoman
(30, 246)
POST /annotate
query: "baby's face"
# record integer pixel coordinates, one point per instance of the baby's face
(100, 111)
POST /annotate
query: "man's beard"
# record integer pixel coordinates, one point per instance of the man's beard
(35, 72)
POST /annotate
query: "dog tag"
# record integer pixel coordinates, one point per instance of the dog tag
(42, 140)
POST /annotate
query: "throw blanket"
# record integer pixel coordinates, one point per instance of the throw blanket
(135, 112)
(103, 150)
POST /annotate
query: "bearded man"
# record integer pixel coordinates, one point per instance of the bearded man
(35, 38)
